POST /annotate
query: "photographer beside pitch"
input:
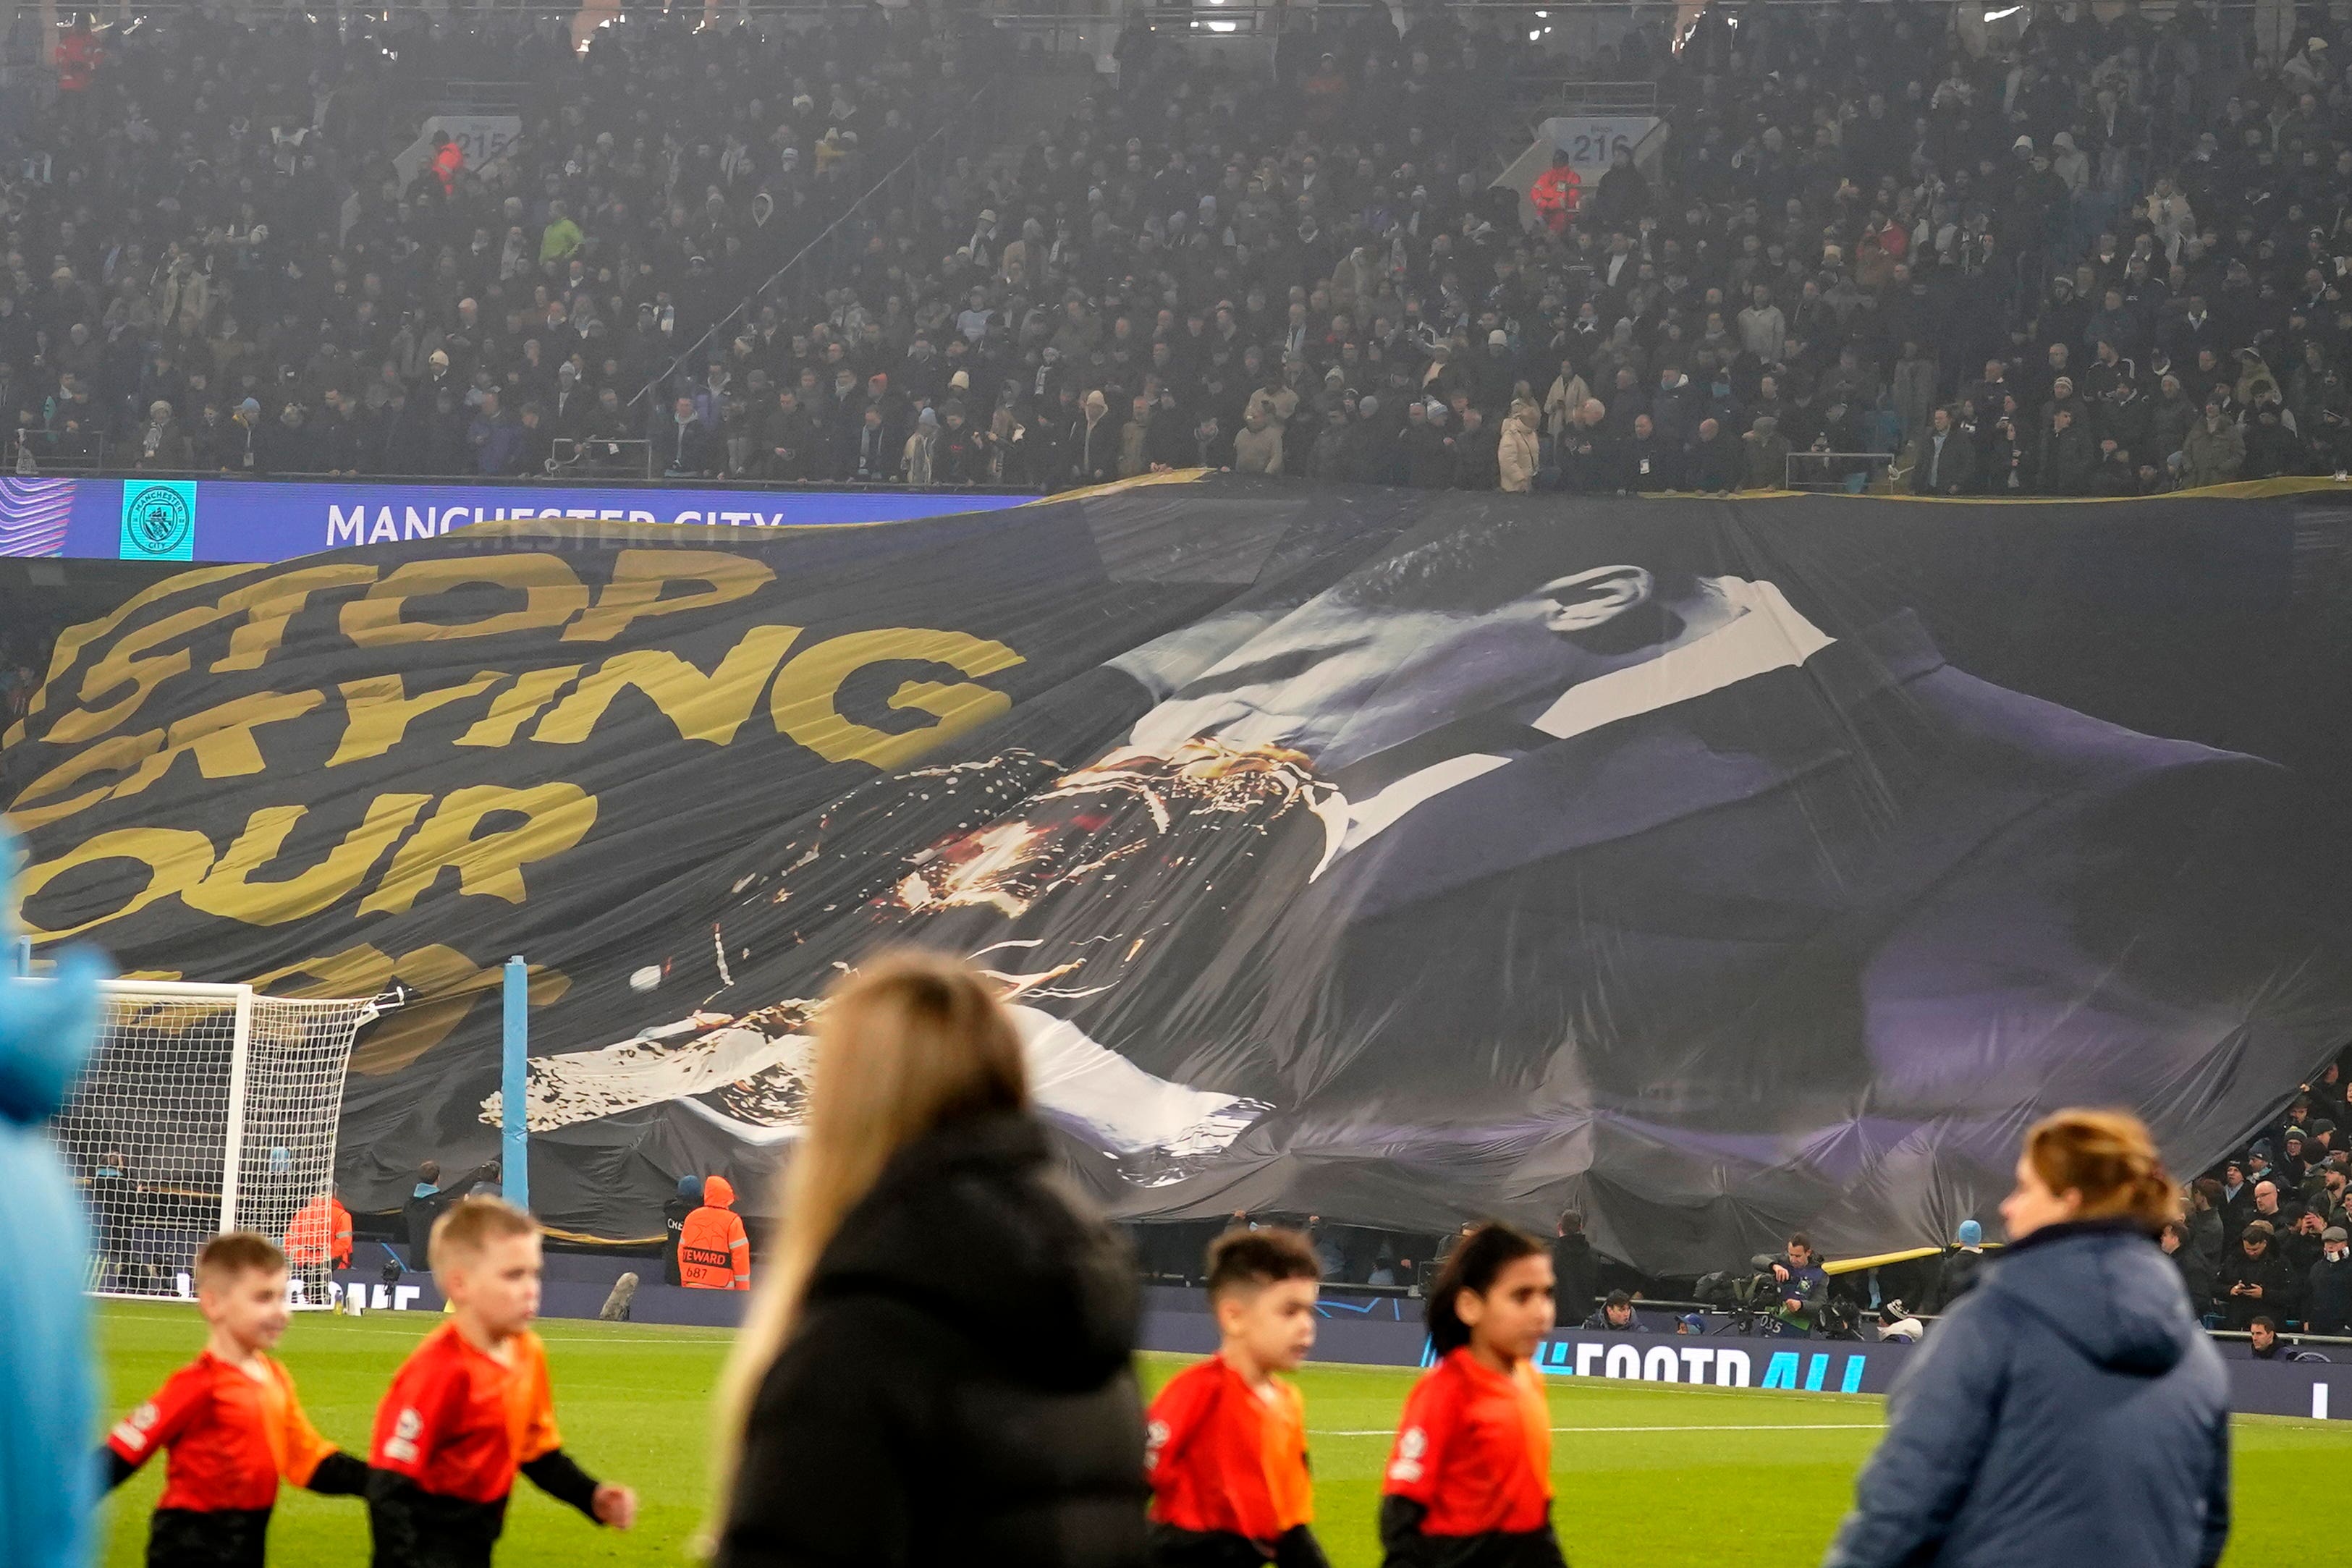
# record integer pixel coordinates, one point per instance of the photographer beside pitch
(1800, 1284)
(2068, 1409)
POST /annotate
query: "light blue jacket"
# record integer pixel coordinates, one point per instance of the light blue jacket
(47, 1482)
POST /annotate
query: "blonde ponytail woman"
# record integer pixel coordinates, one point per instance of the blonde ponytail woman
(2067, 1409)
(936, 1366)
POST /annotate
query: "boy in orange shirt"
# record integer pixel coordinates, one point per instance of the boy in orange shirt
(229, 1420)
(471, 1407)
(1226, 1448)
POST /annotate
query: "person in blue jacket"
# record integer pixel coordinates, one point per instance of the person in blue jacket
(47, 1482)
(2068, 1410)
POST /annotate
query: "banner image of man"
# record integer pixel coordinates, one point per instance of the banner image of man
(1526, 855)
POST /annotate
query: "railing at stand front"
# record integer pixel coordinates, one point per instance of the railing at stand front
(601, 459)
(631, 479)
(57, 454)
(1571, 96)
(1855, 473)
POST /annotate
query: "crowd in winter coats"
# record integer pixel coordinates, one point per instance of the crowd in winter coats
(2103, 257)
(2011, 276)
(215, 261)
(2269, 1232)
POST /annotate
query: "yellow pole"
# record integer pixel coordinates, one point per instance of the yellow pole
(1879, 1260)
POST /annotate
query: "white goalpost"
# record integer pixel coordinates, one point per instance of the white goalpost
(208, 1108)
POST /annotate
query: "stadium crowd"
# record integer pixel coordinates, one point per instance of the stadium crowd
(2267, 1239)
(218, 261)
(2263, 1246)
(2107, 259)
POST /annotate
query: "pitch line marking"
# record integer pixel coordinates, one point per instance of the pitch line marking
(1768, 1426)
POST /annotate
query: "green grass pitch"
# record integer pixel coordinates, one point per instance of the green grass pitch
(1646, 1477)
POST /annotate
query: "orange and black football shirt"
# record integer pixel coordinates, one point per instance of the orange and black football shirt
(459, 1422)
(231, 1437)
(1223, 1458)
(1474, 1449)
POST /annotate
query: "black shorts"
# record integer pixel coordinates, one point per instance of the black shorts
(416, 1528)
(1174, 1547)
(218, 1538)
(1495, 1549)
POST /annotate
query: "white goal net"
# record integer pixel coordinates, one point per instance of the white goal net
(208, 1108)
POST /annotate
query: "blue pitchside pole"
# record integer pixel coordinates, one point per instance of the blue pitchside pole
(514, 1153)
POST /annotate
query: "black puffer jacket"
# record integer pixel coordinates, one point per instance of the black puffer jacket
(958, 1386)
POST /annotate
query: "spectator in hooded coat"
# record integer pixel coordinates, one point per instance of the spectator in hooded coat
(918, 459)
(1575, 1268)
(1958, 1270)
(2069, 1409)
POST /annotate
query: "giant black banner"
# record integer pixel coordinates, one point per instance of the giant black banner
(1712, 867)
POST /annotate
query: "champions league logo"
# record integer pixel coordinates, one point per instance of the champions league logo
(159, 522)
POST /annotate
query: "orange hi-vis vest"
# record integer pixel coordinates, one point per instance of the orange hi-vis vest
(321, 1233)
(1556, 194)
(713, 1254)
(79, 54)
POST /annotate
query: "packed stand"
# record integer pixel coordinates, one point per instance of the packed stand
(2267, 1246)
(2112, 257)
(2104, 260)
(2029, 273)
(214, 263)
